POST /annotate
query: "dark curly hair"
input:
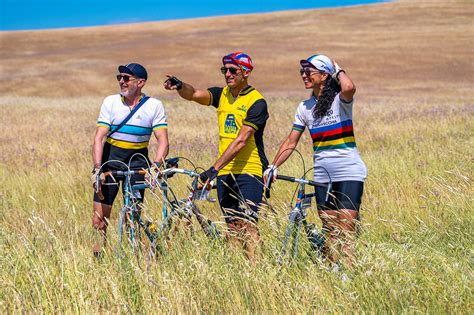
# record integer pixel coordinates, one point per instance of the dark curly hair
(328, 93)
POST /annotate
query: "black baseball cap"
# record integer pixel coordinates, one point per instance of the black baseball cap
(134, 69)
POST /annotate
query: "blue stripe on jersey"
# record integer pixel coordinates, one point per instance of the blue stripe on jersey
(133, 130)
(332, 127)
(298, 127)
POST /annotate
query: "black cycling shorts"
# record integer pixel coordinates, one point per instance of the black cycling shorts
(239, 196)
(343, 195)
(111, 191)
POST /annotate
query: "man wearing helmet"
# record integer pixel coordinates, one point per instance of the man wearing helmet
(242, 115)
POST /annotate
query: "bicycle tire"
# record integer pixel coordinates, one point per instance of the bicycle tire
(208, 227)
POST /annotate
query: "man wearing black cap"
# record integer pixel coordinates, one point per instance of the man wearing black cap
(124, 128)
(242, 115)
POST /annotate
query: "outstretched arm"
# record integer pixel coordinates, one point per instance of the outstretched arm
(187, 91)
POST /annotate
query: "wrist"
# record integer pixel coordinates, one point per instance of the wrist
(338, 73)
(213, 171)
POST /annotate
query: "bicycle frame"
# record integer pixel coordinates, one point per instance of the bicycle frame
(130, 210)
(188, 204)
(297, 217)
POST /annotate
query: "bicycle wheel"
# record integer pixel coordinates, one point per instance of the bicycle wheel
(209, 228)
(121, 224)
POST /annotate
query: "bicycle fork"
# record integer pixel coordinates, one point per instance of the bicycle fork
(296, 218)
(190, 208)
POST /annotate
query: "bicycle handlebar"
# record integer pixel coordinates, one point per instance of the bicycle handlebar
(125, 173)
(174, 170)
(166, 172)
(300, 181)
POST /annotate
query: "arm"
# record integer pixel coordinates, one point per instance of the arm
(187, 91)
(244, 134)
(98, 145)
(161, 136)
(348, 88)
(287, 147)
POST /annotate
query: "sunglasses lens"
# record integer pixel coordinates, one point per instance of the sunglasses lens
(308, 72)
(125, 78)
(232, 71)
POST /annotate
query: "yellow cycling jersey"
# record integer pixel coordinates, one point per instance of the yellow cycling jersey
(249, 108)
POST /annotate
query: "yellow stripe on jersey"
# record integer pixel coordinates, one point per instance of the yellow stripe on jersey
(334, 142)
(251, 125)
(103, 125)
(127, 145)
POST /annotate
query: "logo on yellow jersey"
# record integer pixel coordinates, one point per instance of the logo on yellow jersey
(242, 108)
(229, 124)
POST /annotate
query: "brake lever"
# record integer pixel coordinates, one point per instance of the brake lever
(328, 191)
(98, 190)
(268, 185)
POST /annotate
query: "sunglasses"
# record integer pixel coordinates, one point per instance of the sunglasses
(125, 78)
(308, 71)
(232, 71)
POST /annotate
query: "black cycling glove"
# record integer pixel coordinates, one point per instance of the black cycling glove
(210, 174)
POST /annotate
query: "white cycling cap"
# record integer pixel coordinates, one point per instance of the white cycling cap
(319, 62)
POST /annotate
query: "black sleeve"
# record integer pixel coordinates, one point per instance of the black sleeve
(215, 93)
(257, 115)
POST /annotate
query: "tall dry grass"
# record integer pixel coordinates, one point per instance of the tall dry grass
(414, 250)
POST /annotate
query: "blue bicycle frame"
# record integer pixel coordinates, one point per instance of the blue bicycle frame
(297, 217)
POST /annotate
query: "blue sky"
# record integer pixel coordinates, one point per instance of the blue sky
(31, 14)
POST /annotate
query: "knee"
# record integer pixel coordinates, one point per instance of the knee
(99, 223)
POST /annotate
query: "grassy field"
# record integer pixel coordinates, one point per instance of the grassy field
(413, 127)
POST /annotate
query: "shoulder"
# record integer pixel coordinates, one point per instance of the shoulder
(110, 100)
(154, 102)
(307, 104)
(250, 90)
(217, 91)
(258, 106)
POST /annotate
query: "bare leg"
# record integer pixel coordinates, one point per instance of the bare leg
(340, 226)
(100, 220)
(347, 220)
(251, 239)
(331, 245)
(244, 234)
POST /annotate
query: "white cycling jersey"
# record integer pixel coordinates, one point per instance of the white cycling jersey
(135, 134)
(333, 139)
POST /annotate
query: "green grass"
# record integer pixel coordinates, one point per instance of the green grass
(414, 252)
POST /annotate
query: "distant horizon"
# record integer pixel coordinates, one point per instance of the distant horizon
(21, 15)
